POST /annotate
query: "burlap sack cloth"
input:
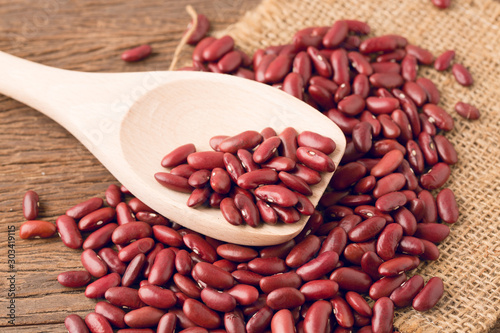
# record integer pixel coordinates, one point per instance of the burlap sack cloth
(469, 263)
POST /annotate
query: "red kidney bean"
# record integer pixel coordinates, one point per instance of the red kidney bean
(335, 34)
(220, 181)
(137, 205)
(248, 210)
(347, 175)
(351, 279)
(462, 75)
(383, 315)
(68, 230)
(178, 156)
(358, 303)
(276, 194)
(302, 66)
(151, 218)
(433, 95)
(361, 85)
(303, 251)
(200, 314)
(281, 280)
(95, 219)
(113, 195)
(370, 211)
(389, 162)
(411, 245)
(443, 61)
(403, 295)
(431, 252)
(200, 246)
(390, 201)
(342, 312)
(124, 296)
(285, 298)
(307, 37)
(260, 320)
(381, 105)
(218, 301)
(390, 129)
(173, 182)
(335, 241)
(382, 147)
(126, 233)
(388, 241)
(315, 159)
(233, 322)
(186, 285)
(230, 212)
(441, 4)
(260, 69)
(236, 253)
(322, 65)
(112, 313)
(279, 163)
(430, 294)
(317, 317)
(320, 96)
(438, 116)
(366, 229)
(360, 63)
(110, 257)
(244, 140)
(147, 316)
(436, 177)
(445, 149)
(93, 264)
(386, 67)
(415, 92)
(212, 276)
(230, 61)
(349, 222)
(370, 262)
(279, 251)
(345, 123)
(216, 140)
(218, 48)
(283, 322)
(386, 285)
(340, 66)
(267, 265)
(406, 220)
(163, 267)
(424, 56)
(415, 156)
(390, 183)
(365, 185)
(31, 205)
(467, 111)
(386, 80)
(74, 279)
(133, 270)
(362, 137)
(409, 67)
(97, 323)
(124, 214)
(75, 324)
(355, 251)
(156, 296)
(253, 179)
(246, 159)
(183, 321)
(430, 212)
(200, 30)
(378, 44)
(397, 265)
(167, 235)
(206, 159)
(447, 206)
(319, 266)
(319, 289)
(233, 166)
(142, 245)
(137, 53)
(244, 294)
(97, 288)
(432, 232)
(352, 105)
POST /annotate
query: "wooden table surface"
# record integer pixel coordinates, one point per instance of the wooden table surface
(36, 153)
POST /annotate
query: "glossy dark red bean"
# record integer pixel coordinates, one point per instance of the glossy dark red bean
(389, 162)
(93, 263)
(110, 257)
(319, 289)
(447, 207)
(75, 324)
(355, 251)
(430, 294)
(173, 182)
(411, 245)
(303, 251)
(433, 95)
(137, 205)
(436, 177)
(397, 265)
(279, 251)
(390, 183)
(144, 317)
(386, 67)
(381, 105)
(432, 232)
(143, 245)
(248, 210)
(167, 323)
(96, 219)
(430, 212)
(200, 246)
(244, 294)
(233, 322)
(382, 147)
(212, 276)
(424, 56)
(133, 270)
(319, 266)
(215, 50)
(285, 298)
(124, 296)
(98, 288)
(69, 232)
(30, 205)
(137, 53)
(386, 285)
(388, 241)
(358, 303)
(163, 267)
(403, 295)
(97, 323)
(431, 251)
(342, 312)
(167, 235)
(302, 66)
(236, 253)
(267, 265)
(438, 116)
(293, 84)
(156, 296)
(445, 150)
(74, 279)
(112, 313)
(462, 75)
(187, 285)
(351, 279)
(244, 140)
(321, 64)
(383, 315)
(467, 111)
(378, 44)
(178, 156)
(260, 320)
(390, 130)
(335, 34)
(126, 233)
(283, 321)
(390, 201)
(367, 229)
(317, 317)
(370, 262)
(366, 212)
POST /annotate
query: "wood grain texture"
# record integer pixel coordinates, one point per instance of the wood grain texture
(36, 153)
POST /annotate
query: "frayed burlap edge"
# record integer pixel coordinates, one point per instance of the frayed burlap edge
(469, 263)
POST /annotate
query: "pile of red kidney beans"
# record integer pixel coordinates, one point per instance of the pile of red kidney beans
(385, 210)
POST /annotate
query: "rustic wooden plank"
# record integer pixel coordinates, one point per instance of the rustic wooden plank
(36, 153)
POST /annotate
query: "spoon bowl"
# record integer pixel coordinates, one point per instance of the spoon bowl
(130, 121)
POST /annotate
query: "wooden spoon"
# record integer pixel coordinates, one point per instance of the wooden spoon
(129, 121)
